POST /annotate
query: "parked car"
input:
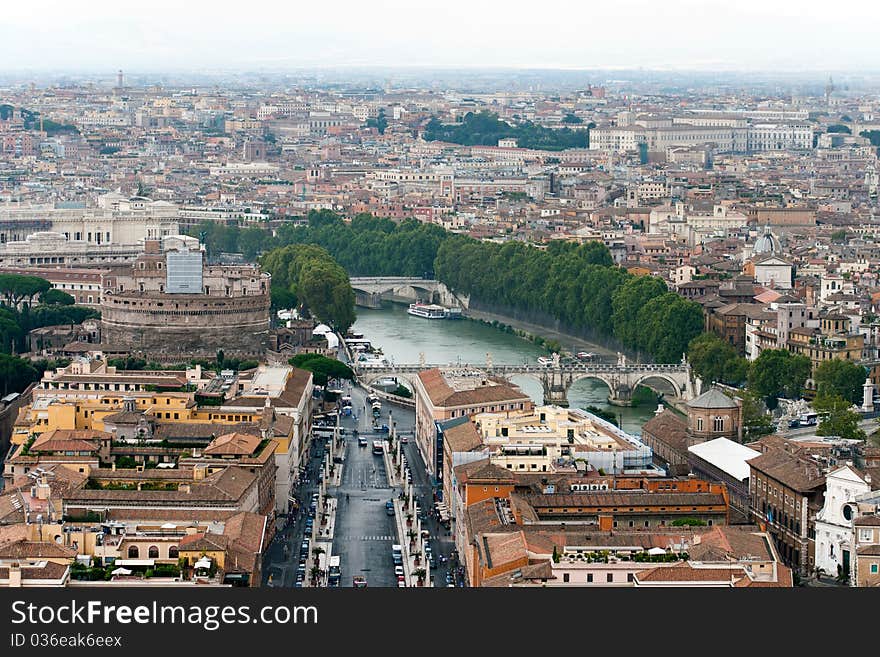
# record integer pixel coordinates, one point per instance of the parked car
(389, 508)
(398, 570)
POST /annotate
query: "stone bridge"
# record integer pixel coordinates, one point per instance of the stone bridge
(370, 291)
(621, 378)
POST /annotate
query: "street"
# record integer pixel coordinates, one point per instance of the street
(364, 531)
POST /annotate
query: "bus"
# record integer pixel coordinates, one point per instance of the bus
(378, 447)
(333, 573)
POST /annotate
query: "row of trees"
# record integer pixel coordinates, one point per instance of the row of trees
(367, 246)
(485, 129)
(307, 276)
(576, 284)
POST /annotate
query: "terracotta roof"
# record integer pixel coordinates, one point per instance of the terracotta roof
(462, 437)
(621, 498)
(483, 471)
(233, 444)
(669, 428)
(685, 573)
(800, 474)
(201, 430)
(46, 571)
(36, 550)
(499, 549)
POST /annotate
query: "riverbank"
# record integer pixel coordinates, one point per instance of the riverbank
(566, 340)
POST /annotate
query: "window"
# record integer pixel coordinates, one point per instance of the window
(565, 577)
(718, 425)
(699, 424)
(610, 577)
(629, 577)
(153, 552)
(865, 535)
(873, 568)
(589, 578)
(133, 552)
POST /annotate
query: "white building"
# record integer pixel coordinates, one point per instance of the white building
(773, 271)
(834, 522)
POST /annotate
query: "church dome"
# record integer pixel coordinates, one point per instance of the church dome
(767, 243)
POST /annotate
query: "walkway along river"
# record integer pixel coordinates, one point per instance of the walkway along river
(403, 337)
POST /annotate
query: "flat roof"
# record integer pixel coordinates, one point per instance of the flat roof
(726, 455)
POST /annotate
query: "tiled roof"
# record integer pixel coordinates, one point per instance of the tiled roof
(669, 428)
(233, 444)
(800, 474)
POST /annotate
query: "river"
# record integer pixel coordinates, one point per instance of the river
(403, 337)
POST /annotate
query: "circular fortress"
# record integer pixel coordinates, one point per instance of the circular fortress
(169, 302)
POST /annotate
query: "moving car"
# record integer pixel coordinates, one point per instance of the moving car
(359, 582)
(389, 508)
(363, 442)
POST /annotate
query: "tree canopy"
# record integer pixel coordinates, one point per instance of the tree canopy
(715, 360)
(309, 274)
(840, 419)
(322, 368)
(779, 373)
(485, 129)
(840, 378)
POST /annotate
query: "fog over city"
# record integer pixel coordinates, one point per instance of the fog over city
(560, 34)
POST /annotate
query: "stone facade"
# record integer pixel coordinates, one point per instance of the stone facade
(231, 312)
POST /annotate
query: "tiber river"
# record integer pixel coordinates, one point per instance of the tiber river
(403, 337)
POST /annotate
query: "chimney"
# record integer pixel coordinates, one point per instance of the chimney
(15, 576)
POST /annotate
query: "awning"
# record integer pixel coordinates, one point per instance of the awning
(656, 551)
(135, 562)
(120, 571)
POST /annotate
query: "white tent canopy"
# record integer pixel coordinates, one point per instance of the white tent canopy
(120, 571)
(204, 562)
(657, 551)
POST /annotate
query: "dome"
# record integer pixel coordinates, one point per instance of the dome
(767, 243)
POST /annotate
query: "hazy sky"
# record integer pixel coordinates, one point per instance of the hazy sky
(99, 35)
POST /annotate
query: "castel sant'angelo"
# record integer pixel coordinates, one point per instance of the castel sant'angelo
(170, 301)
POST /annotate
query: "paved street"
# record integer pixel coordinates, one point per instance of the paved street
(364, 531)
(282, 557)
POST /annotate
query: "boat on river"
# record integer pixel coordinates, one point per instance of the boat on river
(427, 310)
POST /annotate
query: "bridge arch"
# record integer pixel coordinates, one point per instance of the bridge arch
(678, 388)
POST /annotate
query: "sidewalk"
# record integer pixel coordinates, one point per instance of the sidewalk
(410, 567)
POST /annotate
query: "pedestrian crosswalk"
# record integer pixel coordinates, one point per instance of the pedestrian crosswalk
(364, 538)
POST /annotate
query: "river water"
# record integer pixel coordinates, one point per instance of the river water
(403, 338)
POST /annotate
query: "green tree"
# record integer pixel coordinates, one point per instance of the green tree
(15, 288)
(840, 419)
(840, 378)
(756, 421)
(709, 356)
(56, 297)
(572, 119)
(322, 368)
(839, 127)
(779, 373)
(628, 300)
(16, 374)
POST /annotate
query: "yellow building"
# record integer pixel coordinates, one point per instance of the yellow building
(832, 340)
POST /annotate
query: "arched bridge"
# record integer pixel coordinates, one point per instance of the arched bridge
(370, 291)
(621, 378)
